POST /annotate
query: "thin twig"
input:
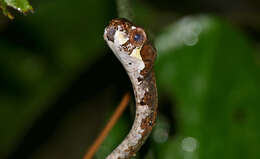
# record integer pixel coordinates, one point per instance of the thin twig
(124, 9)
(118, 112)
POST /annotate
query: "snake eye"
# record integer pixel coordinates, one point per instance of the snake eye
(137, 37)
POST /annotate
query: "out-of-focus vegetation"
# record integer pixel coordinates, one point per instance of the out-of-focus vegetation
(22, 6)
(59, 82)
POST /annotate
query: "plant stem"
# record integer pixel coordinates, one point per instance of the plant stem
(124, 9)
(118, 112)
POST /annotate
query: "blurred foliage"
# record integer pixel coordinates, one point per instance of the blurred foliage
(38, 62)
(20, 5)
(209, 68)
(207, 75)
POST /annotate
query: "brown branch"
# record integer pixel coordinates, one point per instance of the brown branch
(118, 112)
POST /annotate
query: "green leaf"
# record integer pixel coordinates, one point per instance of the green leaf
(208, 68)
(4, 9)
(20, 5)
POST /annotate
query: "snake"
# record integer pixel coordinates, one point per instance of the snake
(131, 46)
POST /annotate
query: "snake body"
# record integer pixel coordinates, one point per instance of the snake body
(130, 45)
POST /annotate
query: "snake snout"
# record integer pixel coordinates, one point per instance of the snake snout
(110, 33)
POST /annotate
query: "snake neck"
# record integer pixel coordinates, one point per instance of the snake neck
(145, 117)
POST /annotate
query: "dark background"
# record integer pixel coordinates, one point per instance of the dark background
(59, 82)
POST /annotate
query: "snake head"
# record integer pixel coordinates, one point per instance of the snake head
(129, 43)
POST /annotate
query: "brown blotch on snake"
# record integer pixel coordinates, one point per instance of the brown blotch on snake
(150, 92)
(148, 54)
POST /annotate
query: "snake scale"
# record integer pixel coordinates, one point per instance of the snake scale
(130, 45)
